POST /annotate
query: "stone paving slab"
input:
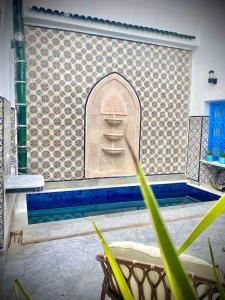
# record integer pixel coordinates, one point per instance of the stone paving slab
(76, 227)
(67, 269)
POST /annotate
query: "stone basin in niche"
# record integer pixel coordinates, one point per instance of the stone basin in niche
(113, 151)
(113, 121)
(113, 136)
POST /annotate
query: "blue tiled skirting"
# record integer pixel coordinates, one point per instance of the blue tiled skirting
(50, 200)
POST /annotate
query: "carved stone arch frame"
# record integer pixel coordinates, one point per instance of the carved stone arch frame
(112, 100)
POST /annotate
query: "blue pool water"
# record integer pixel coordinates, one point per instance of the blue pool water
(55, 206)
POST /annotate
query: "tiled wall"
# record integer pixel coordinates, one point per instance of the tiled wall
(63, 66)
(194, 147)
(196, 171)
(13, 141)
(5, 164)
(204, 170)
(1, 176)
(197, 145)
(6, 201)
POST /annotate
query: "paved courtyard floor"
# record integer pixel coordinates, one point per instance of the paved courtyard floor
(67, 269)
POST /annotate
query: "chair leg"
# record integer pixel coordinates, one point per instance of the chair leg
(102, 295)
(104, 288)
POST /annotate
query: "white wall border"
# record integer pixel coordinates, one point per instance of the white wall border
(65, 23)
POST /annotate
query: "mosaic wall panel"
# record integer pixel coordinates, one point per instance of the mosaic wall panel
(1, 175)
(13, 141)
(63, 66)
(7, 139)
(194, 147)
(205, 172)
(6, 204)
(197, 145)
(5, 165)
(204, 137)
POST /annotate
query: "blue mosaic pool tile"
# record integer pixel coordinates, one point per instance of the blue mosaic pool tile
(55, 206)
(101, 195)
(40, 201)
(169, 190)
(200, 194)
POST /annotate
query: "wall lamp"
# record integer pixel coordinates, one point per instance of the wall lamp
(212, 77)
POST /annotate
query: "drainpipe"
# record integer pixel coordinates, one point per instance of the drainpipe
(20, 81)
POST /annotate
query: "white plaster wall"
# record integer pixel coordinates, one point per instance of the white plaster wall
(209, 55)
(203, 18)
(6, 53)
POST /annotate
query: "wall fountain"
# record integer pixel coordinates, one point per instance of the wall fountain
(112, 111)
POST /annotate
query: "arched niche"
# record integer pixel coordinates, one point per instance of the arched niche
(112, 111)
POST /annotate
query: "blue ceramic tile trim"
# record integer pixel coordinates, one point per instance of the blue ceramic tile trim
(101, 195)
(108, 22)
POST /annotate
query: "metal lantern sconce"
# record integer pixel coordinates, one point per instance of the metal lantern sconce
(212, 77)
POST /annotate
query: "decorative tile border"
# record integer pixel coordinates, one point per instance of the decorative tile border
(49, 11)
(13, 140)
(197, 145)
(204, 137)
(194, 148)
(9, 199)
(1, 176)
(6, 138)
(205, 173)
(6, 207)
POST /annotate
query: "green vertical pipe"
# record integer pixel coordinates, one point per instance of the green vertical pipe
(20, 78)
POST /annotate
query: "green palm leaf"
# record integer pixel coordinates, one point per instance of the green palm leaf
(125, 291)
(179, 282)
(216, 273)
(215, 211)
(19, 287)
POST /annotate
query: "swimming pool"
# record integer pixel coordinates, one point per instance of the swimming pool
(62, 205)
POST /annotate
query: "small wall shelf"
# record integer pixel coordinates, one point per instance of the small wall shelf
(24, 183)
(113, 151)
(214, 163)
(113, 121)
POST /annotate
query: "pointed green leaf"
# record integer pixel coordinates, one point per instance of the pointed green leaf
(179, 282)
(215, 211)
(18, 285)
(16, 291)
(125, 291)
(216, 273)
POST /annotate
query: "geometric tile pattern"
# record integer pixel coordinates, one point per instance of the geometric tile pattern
(204, 137)
(206, 173)
(5, 150)
(13, 140)
(194, 147)
(6, 138)
(62, 68)
(1, 176)
(8, 202)
(197, 145)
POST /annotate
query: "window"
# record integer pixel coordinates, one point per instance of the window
(216, 142)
